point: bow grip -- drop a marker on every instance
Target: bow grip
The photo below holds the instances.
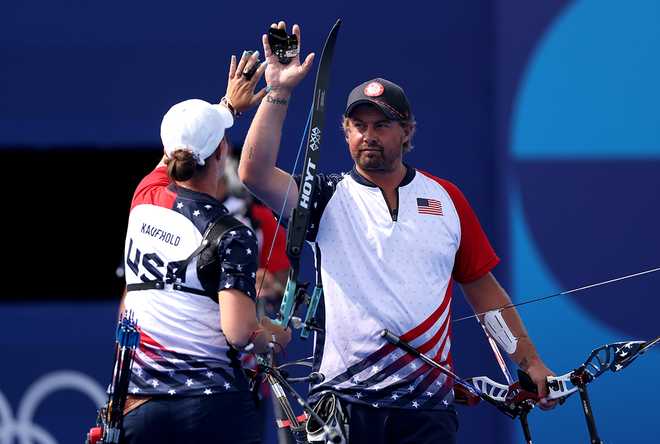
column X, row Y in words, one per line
column 287, row 307
column 311, row 311
column 296, row 233
column 526, row 382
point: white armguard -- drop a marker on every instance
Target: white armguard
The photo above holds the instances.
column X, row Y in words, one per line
column 497, row 328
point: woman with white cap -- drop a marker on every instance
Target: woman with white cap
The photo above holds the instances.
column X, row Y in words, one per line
column 190, row 275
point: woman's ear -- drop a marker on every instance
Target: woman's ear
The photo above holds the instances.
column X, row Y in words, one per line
column 223, row 149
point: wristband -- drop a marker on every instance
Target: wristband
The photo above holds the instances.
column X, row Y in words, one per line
column 250, row 342
column 225, row 101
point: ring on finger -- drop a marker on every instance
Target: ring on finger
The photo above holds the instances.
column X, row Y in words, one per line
column 249, row 72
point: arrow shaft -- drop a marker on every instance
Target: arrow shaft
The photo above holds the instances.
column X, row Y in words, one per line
column 561, row 293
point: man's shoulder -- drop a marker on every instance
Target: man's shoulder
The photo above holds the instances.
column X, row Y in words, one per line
column 448, row 188
column 445, row 183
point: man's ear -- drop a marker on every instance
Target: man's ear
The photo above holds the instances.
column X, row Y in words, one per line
column 407, row 129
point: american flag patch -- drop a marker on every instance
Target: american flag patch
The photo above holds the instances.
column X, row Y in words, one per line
column 429, row 206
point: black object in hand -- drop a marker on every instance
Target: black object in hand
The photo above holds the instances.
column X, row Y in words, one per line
column 283, row 45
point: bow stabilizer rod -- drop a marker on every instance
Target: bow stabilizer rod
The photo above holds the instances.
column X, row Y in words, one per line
column 499, row 395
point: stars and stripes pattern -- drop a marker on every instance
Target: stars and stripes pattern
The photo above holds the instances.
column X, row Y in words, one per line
column 183, row 351
column 439, row 234
column 390, row 377
column 238, row 247
column 158, row 371
column 239, row 261
column 429, row 206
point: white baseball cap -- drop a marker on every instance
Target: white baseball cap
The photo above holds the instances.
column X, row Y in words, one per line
column 196, row 126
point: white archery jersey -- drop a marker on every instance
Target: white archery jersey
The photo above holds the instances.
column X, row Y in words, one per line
column 166, row 313
column 182, row 348
column 384, row 270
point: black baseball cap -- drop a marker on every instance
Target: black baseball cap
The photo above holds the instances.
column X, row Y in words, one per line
column 384, row 95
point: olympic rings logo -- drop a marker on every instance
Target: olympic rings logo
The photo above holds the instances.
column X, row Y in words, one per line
column 22, row 428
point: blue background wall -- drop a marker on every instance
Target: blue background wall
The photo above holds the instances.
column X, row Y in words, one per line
column 543, row 112
column 582, row 141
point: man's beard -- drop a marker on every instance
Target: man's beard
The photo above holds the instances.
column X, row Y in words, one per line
column 373, row 159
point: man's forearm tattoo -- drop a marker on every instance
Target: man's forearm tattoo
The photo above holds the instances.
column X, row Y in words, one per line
column 276, row 100
column 251, row 153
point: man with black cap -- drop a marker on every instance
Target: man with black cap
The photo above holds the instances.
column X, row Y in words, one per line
column 392, row 240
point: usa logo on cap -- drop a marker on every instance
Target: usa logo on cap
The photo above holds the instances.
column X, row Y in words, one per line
column 374, row 89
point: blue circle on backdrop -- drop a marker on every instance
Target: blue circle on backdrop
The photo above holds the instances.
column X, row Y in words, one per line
column 586, row 153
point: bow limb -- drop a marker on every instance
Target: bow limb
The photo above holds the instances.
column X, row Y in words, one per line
column 299, row 221
column 629, row 351
column 614, row 357
column 298, row 225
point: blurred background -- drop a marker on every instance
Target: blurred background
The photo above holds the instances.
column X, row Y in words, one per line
column 544, row 113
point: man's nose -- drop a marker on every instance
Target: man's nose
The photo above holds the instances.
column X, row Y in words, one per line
column 369, row 134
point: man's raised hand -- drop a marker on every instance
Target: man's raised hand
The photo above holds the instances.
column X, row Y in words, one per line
column 285, row 77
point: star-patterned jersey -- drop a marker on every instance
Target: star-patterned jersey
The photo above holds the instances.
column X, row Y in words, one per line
column 261, row 219
column 391, row 269
column 183, row 351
